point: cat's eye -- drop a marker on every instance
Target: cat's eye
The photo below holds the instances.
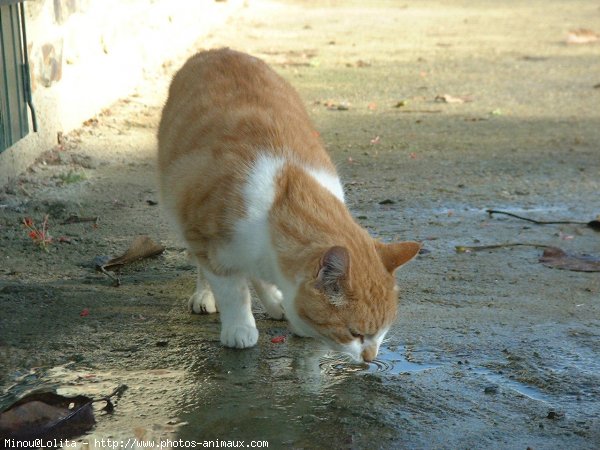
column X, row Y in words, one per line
column 358, row 336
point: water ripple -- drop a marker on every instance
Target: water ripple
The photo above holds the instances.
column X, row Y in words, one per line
column 392, row 362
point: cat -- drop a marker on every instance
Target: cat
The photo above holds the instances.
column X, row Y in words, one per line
column 257, row 199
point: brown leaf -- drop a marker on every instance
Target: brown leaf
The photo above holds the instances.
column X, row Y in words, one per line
column 142, row 247
column 46, row 415
column 557, row 258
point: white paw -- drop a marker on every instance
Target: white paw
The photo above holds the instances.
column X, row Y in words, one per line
column 272, row 300
column 202, row 302
column 239, row 336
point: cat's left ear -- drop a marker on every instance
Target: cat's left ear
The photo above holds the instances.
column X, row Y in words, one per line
column 396, row 254
column 333, row 270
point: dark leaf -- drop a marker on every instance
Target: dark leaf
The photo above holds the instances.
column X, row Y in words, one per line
column 594, row 225
column 47, row 415
column 557, row 258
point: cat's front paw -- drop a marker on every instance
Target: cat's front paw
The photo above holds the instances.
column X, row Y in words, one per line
column 239, row 336
column 202, row 302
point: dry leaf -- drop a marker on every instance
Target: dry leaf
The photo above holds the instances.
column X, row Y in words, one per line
column 46, row 415
column 142, row 247
column 557, row 258
column 582, row 36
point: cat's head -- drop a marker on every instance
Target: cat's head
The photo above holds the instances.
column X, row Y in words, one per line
column 350, row 301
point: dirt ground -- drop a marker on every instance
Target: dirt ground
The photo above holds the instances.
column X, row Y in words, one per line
column 491, row 349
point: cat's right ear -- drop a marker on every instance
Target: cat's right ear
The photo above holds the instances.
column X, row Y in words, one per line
column 333, row 269
column 397, row 254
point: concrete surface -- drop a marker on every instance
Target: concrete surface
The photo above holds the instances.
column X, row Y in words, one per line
column 491, row 349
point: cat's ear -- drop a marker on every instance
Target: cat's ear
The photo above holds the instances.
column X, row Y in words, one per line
column 397, row 254
column 333, row 269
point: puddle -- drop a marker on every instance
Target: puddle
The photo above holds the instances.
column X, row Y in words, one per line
column 514, row 385
column 148, row 408
column 390, row 361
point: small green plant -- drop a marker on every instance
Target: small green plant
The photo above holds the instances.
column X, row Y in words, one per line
column 39, row 236
column 72, row 177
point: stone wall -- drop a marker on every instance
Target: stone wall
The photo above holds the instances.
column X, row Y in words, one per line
column 85, row 54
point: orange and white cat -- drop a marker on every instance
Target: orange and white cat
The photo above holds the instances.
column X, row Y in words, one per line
column 257, row 199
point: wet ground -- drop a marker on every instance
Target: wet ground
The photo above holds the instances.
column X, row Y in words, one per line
column 491, row 349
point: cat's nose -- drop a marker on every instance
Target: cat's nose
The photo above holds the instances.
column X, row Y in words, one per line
column 369, row 354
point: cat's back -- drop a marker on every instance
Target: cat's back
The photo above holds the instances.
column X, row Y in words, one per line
column 229, row 124
column 234, row 105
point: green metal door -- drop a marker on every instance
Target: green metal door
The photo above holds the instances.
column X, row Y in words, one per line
column 13, row 97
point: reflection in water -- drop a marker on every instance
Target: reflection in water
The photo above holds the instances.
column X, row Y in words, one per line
column 390, row 361
column 290, row 395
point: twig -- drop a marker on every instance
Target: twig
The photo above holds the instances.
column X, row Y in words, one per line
column 118, row 392
column 110, row 407
column 116, row 280
column 467, row 249
column 539, row 222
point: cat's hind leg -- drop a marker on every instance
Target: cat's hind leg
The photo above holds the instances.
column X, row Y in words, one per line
column 238, row 328
column 270, row 297
column 202, row 301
